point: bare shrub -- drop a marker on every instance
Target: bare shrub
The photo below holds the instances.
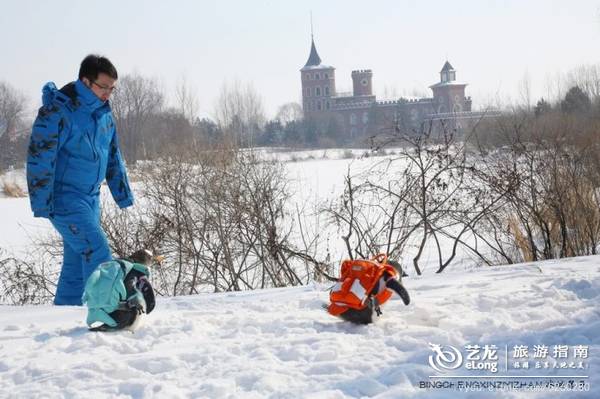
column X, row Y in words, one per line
column 26, row 281
column 437, row 192
column 553, row 209
column 220, row 219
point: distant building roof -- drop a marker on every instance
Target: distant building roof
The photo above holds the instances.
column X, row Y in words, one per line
column 451, row 83
column 313, row 58
column 316, row 67
column 446, row 67
column 314, row 61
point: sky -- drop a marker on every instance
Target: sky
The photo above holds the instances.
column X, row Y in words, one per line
column 494, row 45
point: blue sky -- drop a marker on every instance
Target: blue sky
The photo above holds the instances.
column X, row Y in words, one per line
column 492, row 44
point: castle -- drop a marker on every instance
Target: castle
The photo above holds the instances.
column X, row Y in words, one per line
column 361, row 114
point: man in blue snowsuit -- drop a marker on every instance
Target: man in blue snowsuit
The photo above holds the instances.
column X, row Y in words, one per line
column 73, row 149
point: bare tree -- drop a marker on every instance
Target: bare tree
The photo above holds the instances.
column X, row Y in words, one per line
column 12, row 106
column 587, row 78
column 555, row 86
column 289, row 112
column 525, row 91
column 135, row 101
column 187, row 99
column 239, row 111
column 12, row 141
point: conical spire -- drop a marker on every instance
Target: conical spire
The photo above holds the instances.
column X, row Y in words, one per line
column 313, row 58
column 447, row 67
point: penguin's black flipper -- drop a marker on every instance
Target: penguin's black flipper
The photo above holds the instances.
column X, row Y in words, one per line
column 395, row 285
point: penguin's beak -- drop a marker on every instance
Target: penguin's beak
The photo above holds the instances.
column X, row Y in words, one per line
column 158, row 259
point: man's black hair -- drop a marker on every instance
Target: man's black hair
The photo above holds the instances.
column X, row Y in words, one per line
column 93, row 64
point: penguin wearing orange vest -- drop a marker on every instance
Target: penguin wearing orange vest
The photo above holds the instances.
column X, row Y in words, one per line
column 363, row 287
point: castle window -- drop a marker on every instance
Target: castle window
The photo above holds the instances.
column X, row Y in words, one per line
column 414, row 115
column 319, row 105
column 308, row 92
column 326, row 76
column 317, row 76
column 326, row 90
column 444, row 76
column 365, row 118
column 353, row 119
column 317, row 91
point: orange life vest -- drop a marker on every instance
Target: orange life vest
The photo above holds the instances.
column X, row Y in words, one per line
column 356, row 283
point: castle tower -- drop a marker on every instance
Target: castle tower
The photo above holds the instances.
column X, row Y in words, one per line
column 447, row 74
column 318, row 84
column 362, row 83
column 448, row 94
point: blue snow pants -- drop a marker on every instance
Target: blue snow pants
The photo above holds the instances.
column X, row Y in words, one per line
column 77, row 219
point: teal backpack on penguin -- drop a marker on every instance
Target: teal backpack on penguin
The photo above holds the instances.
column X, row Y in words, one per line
column 118, row 292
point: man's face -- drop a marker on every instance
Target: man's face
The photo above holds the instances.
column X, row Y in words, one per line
column 102, row 87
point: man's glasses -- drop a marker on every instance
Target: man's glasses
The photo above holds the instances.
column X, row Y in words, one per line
column 105, row 89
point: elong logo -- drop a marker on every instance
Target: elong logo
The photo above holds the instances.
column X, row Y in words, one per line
column 445, row 359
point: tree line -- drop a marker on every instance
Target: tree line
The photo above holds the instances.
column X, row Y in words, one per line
column 522, row 186
column 150, row 127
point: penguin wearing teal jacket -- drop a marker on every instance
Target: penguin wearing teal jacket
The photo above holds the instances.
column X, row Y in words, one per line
column 118, row 293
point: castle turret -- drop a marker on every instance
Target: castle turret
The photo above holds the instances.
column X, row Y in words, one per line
column 318, row 84
column 447, row 74
column 448, row 94
column 362, row 82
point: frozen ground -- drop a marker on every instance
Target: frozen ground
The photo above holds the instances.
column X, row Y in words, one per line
column 279, row 343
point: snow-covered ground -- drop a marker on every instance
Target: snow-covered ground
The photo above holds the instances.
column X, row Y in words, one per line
column 279, row 343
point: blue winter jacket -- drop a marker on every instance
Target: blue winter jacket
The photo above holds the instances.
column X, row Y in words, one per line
column 73, row 148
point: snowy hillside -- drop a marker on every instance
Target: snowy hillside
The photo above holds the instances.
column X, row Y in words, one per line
column 279, row 343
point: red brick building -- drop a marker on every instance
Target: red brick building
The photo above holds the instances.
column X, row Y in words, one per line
column 360, row 113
